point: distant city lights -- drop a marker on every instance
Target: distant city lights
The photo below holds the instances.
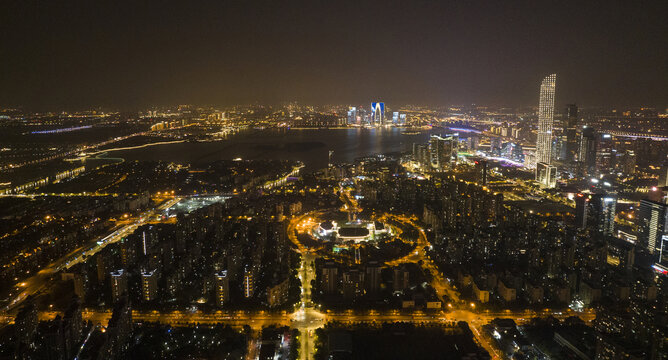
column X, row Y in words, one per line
column 63, row 130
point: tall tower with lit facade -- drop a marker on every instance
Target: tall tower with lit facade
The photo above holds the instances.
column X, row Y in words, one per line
column 571, row 130
column 443, row 151
column 378, row 113
column 545, row 173
column 545, row 120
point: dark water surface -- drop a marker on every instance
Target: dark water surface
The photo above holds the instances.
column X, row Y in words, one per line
column 310, row 146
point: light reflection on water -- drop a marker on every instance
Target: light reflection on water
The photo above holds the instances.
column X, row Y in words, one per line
column 311, row 146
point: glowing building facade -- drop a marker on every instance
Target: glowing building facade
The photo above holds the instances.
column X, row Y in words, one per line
column 378, row 113
column 545, row 173
column 545, row 120
column 443, row 151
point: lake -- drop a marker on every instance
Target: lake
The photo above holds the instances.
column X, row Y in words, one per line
column 311, row 146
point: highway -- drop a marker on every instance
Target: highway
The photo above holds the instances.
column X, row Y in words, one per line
column 315, row 319
column 36, row 283
column 306, row 319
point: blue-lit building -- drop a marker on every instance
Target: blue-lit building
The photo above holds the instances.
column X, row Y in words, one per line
column 377, row 113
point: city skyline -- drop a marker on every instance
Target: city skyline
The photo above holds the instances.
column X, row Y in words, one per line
column 311, row 180
column 300, row 222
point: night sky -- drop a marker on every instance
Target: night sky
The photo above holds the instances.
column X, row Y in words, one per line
column 130, row 54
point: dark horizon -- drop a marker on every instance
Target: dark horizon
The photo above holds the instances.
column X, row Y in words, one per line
column 131, row 56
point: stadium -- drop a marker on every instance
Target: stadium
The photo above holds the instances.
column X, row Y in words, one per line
column 357, row 231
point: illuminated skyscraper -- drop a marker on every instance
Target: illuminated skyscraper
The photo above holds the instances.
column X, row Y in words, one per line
column 443, row 151
column 545, row 120
column 596, row 211
column 653, row 226
column 587, row 153
column 605, row 154
column 352, row 116
column 571, row 129
column 546, row 175
column 481, row 168
column 378, row 113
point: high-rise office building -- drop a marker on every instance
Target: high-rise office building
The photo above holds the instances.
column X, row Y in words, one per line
column 481, row 169
column 587, row 153
column 395, row 118
column 377, row 113
column 605, row 154
column 652, row 225
column 119, row 284
column 443, row 151
column 628, row 162
column 596, row 211
column 546, row 175
column 222, row 288
column 582, row 210
column 571, row 130
column 421, row 154
column 607, row 213
column 561, row 146
column 545, row 120
column 149, row 285
column 352, row 116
